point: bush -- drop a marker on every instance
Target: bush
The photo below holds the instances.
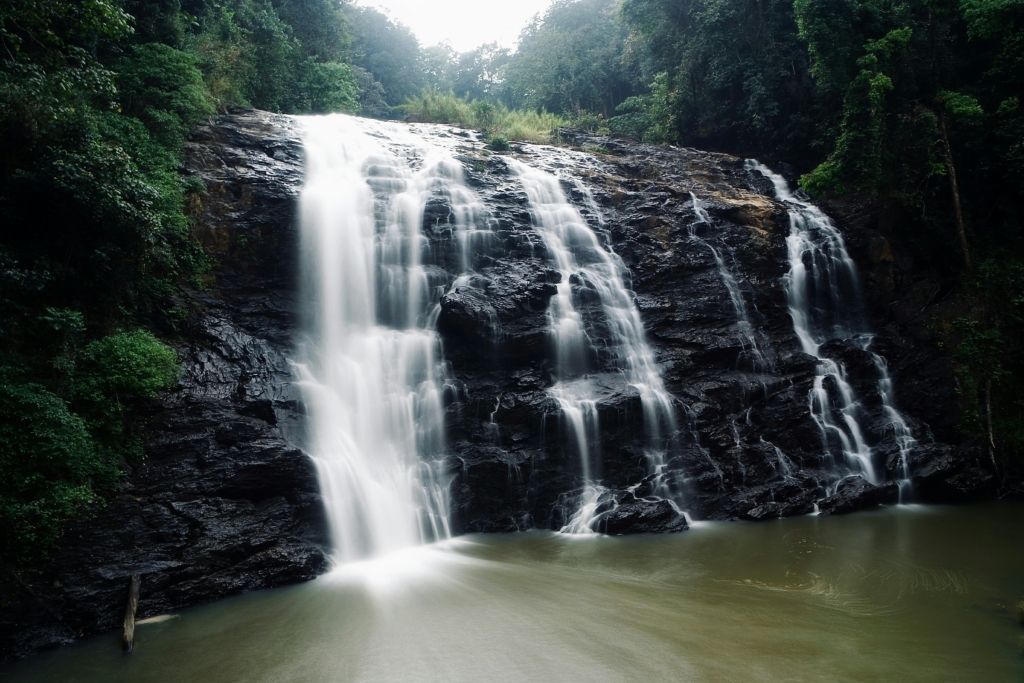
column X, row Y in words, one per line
column 163, row 88
column 125, row 367
column 114, row 375
column 649, row 118
column 497, row 119
column 499, row 144
column 589, row 121
column 51, row 469
column 58, row 460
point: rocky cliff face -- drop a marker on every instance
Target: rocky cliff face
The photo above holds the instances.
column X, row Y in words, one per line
column 748, row 447
column 226, row 501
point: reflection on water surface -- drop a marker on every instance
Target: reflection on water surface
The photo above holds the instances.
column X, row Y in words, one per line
column 907, row 594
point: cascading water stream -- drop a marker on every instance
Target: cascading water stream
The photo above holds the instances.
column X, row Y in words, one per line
column 905, row 440
column 823, row 293
column 583, row 262
column 747, row 335
column 369, row 362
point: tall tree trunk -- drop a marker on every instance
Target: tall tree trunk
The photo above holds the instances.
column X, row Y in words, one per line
column 954, row 186
column 988, row 423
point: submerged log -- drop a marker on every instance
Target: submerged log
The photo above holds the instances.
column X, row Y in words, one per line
column 129, row 614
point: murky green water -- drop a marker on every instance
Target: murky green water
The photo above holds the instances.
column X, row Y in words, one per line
column 909, row 594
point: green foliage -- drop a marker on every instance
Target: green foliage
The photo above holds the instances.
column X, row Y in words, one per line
column 651, row 117
column 113, row 375
column 991, row 18
column 290, row 55
column 109, row 228
column 163, row 88
column 735, row 75
column 47, row 72
column 570, row 60
column 497, row 119
column 387, row 50
column 225, row 55
column 978, row 355
column 960, row 105
column 989, row 355
column 499, row 144
column 828, row 27
column 320, row 27
column 124, row 367
column 477, row 74
column 51, row 469
column 325, row 88
column 589, row 121
column 56, row 462
column 372, row 101
column 859, row 155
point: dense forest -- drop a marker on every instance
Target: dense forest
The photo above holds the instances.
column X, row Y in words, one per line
column 912, row 107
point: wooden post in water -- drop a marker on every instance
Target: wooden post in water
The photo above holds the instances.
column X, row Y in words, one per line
column 129, row 614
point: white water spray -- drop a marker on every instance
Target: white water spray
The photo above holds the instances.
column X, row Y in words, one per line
column 584, row 262
column 747, row 335
column 369, row 365
column 823, row 292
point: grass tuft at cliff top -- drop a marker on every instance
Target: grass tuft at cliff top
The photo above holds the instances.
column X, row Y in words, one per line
column 494, row 119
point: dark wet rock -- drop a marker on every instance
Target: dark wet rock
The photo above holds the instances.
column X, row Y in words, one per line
column 769, row 510
column 642, row 517
column 856, row 493
column 954, row 475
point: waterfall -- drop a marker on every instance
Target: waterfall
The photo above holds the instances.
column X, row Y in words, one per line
column 905, row 440
column 389, row 225
column 825, row 303
column 747, row 335
column 595, row 271
column 369, row 361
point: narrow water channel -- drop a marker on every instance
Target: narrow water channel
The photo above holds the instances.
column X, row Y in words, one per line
column 898, row 594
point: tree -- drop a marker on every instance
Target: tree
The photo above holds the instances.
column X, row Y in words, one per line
column 477, row 74
column 569, row 60
column 735, row 71
column 389, row 51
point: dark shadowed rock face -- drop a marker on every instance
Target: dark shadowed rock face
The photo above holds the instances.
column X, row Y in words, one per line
column 226, row 501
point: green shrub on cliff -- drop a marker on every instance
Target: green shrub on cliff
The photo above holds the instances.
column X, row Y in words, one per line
column 60, row 455
column 124, row 367
column 52, row 470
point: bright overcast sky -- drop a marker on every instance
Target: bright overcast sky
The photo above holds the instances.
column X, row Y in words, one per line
column 463, row 23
